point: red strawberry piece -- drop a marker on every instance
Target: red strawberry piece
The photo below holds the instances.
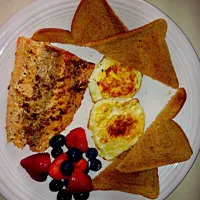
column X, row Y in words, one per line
column 79, row 182
column 77, row 138
column 82, row 164
column 54, row 169
column 37, row 166
column 40, row 177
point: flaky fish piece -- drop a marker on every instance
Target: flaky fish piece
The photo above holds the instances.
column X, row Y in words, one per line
column 46, row 89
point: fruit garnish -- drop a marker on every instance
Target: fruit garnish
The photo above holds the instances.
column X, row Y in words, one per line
column 64, row 195
column 91, row 153
column 39, row 162
column 86, row 171
column 39, row 177
column 66, row 182
column 67, row 168
column 56, row 152
column 77, row 138
column 57, row 141
column 94, row 164
column 79, row 182
column 82, row 164
column 54, row 169
column 37, row 166
column 81, row 196
column 56, row 185
column 74, row 154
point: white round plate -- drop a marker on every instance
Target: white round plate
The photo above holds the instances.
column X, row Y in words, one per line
column 15, row 183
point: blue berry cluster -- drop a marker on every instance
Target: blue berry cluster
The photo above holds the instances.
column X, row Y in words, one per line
column 67, row 167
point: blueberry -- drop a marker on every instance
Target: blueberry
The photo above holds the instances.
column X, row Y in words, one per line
column 64, row 195
column 56, row 152
column 57, row 141
column 74, row 154
column 91, row 153
column 66, row 182
column 81, row 196
column 55, row 185
column 94, row 164
column 66, row 168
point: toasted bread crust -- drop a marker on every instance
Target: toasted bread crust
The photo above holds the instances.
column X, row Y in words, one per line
column 95, row 20
column 144, row 49
column 46, row 89
column 54, row 35
column 174, row 105
column 144, row 183
column 163, row 143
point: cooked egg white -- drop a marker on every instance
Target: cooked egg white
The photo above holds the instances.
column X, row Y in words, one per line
column 116, row 125
column 110, row 79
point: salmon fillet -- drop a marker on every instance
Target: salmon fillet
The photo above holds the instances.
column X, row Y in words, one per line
column 46, row 89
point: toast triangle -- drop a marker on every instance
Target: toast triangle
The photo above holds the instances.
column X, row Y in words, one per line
column 54, row 35
column 163, row 143
column 95, row 20
column 145, row 183
column 145, row 49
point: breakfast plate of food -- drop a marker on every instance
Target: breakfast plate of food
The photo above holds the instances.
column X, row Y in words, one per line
column 99, row 100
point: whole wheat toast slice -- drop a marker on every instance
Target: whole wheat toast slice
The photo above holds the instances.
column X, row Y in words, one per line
column 145, row 183
column 46, row 89
column 145, row 49
column 163, row 143
column 95, row 20
column 54, row 35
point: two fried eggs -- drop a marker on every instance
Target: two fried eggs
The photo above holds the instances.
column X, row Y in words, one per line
column 116, row 120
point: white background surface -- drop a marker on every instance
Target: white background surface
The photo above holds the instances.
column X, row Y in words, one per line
column 186, row 13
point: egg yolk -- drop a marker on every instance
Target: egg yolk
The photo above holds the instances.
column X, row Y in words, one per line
column 122, row 126
column 119, row 81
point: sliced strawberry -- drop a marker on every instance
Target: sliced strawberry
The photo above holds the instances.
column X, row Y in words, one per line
column 37, row 166
column 82, row 164
column 40, row 177
column 77, row 138
column 54, row 169
column 39, row 162
column 79, row 182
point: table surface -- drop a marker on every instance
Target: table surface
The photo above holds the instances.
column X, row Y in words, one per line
column 186, row 14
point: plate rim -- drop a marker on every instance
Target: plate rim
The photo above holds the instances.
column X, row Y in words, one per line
column 23, row 9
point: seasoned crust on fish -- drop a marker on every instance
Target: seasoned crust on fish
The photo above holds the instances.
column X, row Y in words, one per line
column 46, row 89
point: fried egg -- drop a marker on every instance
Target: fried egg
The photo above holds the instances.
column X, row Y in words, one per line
column 110, row 79
column 116, row 125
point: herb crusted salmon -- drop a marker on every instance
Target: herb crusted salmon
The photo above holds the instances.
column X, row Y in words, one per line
column 46, row 89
